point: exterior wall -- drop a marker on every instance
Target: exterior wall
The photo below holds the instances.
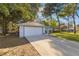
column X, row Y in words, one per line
column 21, row 31
column 43, row 28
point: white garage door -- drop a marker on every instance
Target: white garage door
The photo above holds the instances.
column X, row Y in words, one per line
column 32, row 31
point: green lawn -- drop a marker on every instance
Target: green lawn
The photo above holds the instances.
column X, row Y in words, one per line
column 68, row 36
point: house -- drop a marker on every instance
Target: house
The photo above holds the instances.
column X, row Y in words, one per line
column 32, row 29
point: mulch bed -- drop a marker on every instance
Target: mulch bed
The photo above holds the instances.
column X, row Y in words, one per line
column 12, row 45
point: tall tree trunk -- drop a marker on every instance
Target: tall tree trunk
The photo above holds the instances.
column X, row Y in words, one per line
column 58, row 22
column 53, row 29
column 51, row 17
column 4, row 25
column 75, row 8
column 74, row 24
column 68, row 24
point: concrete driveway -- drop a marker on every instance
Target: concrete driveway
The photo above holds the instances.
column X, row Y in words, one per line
column 52, row 46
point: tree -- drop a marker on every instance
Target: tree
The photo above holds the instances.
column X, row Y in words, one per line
column 53, row 8
column 53, row 24
column 65, row 15
column 4, row 13
column 15, row 12
column 23, row 11
column 45, row 22
column 35, row 9
column 73, row 11
column 69, row 10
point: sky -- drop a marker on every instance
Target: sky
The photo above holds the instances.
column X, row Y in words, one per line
column 40, row 17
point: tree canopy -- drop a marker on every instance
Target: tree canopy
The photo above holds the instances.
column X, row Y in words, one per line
column 62, row 10
column 16, row 12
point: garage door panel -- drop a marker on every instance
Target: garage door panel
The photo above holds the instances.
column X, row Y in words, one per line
column 26, row 30
column 30, row 31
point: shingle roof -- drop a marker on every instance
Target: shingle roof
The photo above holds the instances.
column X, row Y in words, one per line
column 35, row 24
